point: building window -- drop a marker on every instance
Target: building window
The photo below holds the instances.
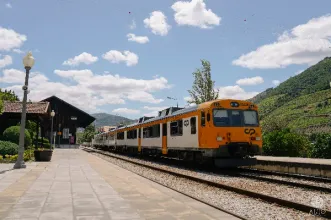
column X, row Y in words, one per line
column 65, row 134
column 176, row 128
column 193, row 125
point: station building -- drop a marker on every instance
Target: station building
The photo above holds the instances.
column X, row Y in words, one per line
column 67, row 120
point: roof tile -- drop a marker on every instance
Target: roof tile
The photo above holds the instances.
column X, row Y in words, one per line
column 32, row 107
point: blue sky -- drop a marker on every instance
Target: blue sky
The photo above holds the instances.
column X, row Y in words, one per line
column 252, row 46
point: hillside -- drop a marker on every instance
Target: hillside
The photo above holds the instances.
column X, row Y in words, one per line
column 104, row 119
column 302, row 102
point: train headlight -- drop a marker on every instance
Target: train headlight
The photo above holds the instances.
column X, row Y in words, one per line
column 255, row 138
column 219, row 139
column 234, row 104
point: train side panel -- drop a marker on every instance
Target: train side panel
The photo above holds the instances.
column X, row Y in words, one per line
column 182, row 133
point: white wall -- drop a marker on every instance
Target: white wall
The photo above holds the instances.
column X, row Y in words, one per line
column 152, row 142
column 187, row 140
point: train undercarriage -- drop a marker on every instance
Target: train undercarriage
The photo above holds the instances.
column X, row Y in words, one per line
column 234, row 155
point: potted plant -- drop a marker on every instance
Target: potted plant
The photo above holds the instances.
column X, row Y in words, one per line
column 43, row 154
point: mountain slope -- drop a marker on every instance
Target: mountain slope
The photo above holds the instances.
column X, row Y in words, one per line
column 104, row 119
column 302, row 102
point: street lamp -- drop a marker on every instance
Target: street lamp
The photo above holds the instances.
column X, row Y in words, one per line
column 28, row 62
column 173, row 99
column 52, row 116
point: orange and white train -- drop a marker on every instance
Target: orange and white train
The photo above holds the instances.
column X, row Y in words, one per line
column 225, row 131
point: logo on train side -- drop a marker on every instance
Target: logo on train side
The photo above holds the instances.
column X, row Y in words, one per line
column 186, row 123
column 249, row 131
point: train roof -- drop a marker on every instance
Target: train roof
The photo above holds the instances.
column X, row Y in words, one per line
column 172, row 111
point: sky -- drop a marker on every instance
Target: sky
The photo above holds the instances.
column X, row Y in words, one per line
column 126, row 57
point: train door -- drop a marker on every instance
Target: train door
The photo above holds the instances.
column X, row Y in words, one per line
column 139, row 140
column 203, row 130
column 164, row 138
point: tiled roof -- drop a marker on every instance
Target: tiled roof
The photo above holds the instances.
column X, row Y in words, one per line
column 32, row 107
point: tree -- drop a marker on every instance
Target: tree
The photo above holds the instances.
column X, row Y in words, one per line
column 89, row 133
column 203, row 86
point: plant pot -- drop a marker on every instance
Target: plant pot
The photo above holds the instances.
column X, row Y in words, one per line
column 43, row 155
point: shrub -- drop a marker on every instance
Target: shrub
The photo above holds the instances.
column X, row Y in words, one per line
column 321, row 147
column 8, row 148
column 12, row 134
column 285, row 143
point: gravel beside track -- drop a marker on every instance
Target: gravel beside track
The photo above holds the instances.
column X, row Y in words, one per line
column 296, row 180
column 242, row 205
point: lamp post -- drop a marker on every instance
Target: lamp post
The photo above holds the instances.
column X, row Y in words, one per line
column 28, row 62
column 173, row 99
column 52, row 116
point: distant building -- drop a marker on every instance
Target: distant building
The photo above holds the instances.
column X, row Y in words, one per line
column 105, row 128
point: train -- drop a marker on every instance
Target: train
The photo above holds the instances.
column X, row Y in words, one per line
column 225, row 132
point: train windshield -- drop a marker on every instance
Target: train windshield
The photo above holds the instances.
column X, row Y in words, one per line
column 235, row 118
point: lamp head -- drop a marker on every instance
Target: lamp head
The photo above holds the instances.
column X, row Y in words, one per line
column 52, row 113
column 28, row 60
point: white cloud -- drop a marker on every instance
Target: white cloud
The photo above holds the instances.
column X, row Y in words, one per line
column 9, row 39
column 276, row 82
column 81, row 58
column 298, row 72
column 157, row 22
column 115, row 56
column 5, row 61
column 235, row 92
column 304, row 44
column 87, row 90
column 133, row 25
column 154, row 110
column 8, row 5
column 194, row 13
column 188, row 98
column 250, row 81
column 138, row 39
column 126, row 111
column 18, row 51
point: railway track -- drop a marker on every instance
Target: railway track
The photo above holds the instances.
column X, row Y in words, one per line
column 267, row 198
column 246, row 173
column 256, row 176
column 295, row 176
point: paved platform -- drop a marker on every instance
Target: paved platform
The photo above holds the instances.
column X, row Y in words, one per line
column 304, row 166
column 78, row 185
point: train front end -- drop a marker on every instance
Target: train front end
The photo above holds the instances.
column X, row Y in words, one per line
column 230, row 129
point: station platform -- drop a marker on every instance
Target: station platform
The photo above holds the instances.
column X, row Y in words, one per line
column 78, row 185
column 296, row 165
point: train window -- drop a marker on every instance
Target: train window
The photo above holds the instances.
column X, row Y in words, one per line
column 176, row 128
column 208, row 116
column 203, row 119
column 250, row 118
column 152, row 131
column 235, row 118
column 193, row 125
column 120, row 136
column 221, row 117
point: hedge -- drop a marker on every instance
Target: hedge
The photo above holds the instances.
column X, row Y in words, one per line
column 12, row 134
column 8, row 148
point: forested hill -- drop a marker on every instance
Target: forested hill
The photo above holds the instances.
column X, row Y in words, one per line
column 302, row 102
column 104, row 119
